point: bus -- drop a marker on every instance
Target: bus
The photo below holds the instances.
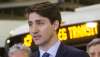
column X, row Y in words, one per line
column 77, row 29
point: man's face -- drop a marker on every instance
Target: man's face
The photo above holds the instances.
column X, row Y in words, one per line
column 18, row 54
column 41, row 29
column 94, row 51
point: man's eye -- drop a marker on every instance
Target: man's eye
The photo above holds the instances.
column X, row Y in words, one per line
column 30, row 24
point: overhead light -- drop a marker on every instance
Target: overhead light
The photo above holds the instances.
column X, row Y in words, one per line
column 91, row 24
column 8, row 41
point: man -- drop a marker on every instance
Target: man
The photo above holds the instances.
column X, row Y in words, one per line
column 18, row 50
column 93, row 48
column 44, row 20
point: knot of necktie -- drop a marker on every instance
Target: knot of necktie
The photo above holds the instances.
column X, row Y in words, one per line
column 45, row 54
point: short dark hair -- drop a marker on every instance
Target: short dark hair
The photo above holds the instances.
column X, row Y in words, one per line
column 46, row 9
column 95, row 41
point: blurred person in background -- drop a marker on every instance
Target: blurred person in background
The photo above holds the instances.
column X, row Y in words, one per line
column 93, row 48
column 19, row 50
column 44, row 19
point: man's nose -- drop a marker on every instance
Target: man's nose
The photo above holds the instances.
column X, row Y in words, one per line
column 35, row 32
column 35, row 29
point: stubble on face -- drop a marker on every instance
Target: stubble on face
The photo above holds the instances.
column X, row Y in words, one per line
column 44, row 29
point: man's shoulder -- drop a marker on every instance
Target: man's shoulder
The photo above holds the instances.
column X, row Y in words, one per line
column 72, row 51
column 69, row 48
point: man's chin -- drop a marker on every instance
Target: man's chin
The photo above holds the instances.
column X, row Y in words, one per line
column 37, row 44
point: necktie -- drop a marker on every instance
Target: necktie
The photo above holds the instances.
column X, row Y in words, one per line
column 45, row 54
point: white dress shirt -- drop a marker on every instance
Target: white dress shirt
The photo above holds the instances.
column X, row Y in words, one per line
column 52, row 51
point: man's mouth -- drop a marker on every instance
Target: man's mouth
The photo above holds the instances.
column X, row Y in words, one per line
column 36, row 37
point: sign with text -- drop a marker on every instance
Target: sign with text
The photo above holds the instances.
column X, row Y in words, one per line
column 78, row 31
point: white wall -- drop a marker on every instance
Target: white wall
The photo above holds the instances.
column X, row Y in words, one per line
column 82, row 14
column 6, row 26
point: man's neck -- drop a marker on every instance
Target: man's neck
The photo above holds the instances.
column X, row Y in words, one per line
column 49, row 44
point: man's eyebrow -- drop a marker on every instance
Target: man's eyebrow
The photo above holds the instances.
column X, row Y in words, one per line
column 39, row 20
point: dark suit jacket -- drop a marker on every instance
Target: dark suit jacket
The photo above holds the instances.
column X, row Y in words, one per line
column 66, row 51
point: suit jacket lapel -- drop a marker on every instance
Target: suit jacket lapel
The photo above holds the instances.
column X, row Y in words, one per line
column 37, row 53
column 60, row 52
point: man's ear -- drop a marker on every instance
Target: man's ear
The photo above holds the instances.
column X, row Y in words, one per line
column 56, row 24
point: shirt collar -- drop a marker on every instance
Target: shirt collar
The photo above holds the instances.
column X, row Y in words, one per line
column 41, row 52
column 52, row 51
